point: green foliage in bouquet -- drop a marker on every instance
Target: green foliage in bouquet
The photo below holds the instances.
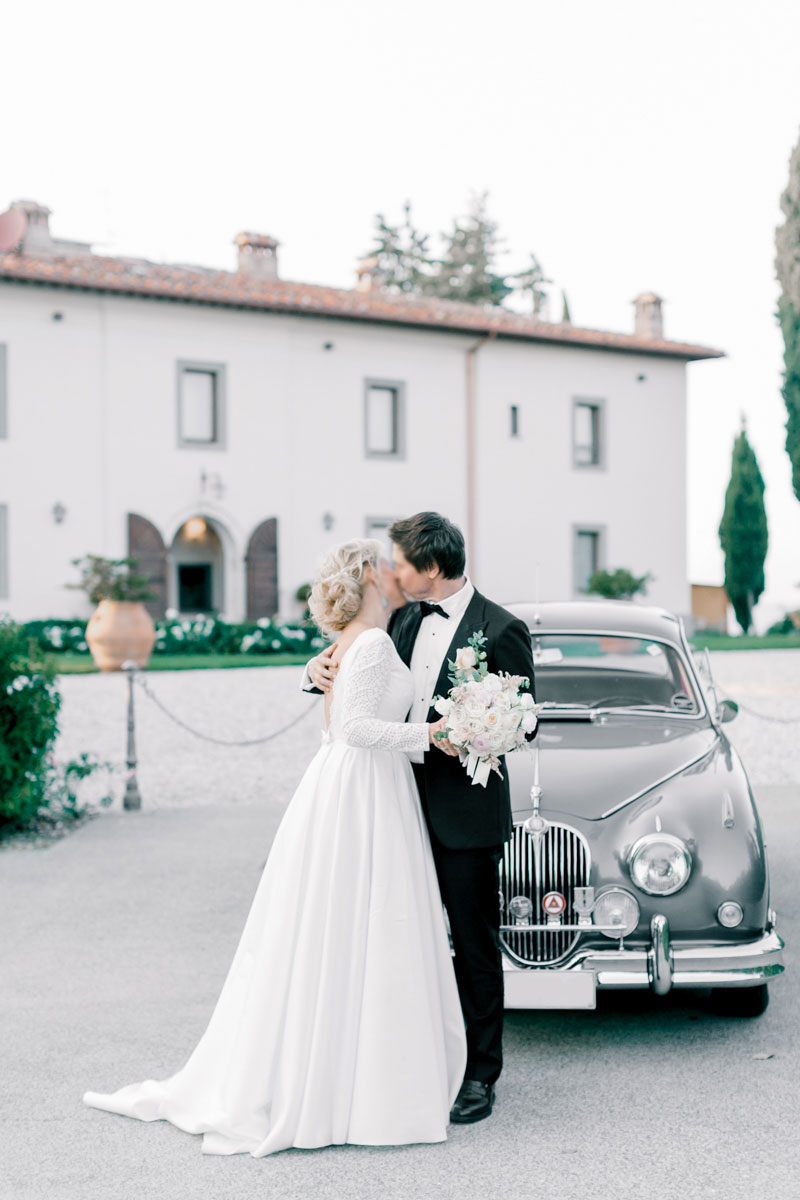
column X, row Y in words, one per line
column 111, row 579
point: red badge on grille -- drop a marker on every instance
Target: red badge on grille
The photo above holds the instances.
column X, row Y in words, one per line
column 554, row 904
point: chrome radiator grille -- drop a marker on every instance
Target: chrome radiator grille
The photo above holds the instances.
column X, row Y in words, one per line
column 556, row 861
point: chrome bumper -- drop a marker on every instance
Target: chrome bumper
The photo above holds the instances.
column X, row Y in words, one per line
column 663, row 966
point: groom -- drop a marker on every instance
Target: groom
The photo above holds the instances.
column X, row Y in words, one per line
column 467, row 824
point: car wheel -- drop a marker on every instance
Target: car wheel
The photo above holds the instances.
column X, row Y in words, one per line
column 740, row 1002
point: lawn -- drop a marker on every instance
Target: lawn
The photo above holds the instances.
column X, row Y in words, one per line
column 763, row 641
column 83, row 664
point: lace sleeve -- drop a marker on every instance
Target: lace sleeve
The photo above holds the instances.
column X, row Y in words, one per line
column 365, row 685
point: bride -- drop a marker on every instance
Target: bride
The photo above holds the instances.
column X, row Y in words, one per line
column 339, row 1020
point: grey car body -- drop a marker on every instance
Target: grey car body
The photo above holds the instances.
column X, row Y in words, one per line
column 631, row 759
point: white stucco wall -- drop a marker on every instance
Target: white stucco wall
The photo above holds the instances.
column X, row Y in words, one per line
column 92, row 424
column 530, row 496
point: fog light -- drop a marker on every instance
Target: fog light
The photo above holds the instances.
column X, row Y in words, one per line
column 730, row 914
column 521, row 908
column 618, row 909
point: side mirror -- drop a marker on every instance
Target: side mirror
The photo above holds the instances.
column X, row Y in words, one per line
column 727, row 710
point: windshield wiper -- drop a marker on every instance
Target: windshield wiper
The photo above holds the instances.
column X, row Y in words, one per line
column 657, row 708
column 578, row 711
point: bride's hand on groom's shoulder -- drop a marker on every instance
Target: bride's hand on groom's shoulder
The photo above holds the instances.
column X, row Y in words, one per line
column 322, row 669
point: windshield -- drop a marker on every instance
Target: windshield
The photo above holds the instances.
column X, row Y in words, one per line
column 596, row 671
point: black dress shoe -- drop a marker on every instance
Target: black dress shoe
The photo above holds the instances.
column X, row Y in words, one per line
column 473, row 1102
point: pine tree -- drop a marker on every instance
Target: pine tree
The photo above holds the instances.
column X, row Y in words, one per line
column 466, row 269
column 401, row 251
column 743, row 532
column 787, row 262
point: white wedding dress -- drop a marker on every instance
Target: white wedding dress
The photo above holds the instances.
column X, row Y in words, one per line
column 339, row 1020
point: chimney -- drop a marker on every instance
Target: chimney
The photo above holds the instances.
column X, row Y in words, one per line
column 368, row 275
column 36, row 240
column 258, row 256
column 649, row 322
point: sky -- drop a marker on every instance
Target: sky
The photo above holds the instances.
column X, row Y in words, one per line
column 632, row 146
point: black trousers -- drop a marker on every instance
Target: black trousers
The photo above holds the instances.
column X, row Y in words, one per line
column 469, row 885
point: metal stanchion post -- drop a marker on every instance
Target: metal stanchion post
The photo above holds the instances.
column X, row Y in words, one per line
column 132, row 799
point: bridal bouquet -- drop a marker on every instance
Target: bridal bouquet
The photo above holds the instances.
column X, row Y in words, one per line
column 488, row 714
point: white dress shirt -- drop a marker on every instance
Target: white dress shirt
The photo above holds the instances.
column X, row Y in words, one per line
column 432, row 643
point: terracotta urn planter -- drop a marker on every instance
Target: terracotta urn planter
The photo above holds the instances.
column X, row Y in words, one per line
column 119, row 630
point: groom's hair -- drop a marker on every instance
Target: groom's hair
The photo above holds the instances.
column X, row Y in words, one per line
column 428, row 539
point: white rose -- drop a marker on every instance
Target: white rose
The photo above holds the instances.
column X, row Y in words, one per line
column 443, row 706
column 492, row 684
column 501, row 702
column 466, row 658
column 526, row 700
column 474, row 710
column 529, row 722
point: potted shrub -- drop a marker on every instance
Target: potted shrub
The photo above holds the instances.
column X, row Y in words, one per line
column 120, row 627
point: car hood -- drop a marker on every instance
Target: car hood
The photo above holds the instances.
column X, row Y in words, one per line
column 590, row 768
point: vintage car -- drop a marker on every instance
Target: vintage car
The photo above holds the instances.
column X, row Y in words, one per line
column 637, row 859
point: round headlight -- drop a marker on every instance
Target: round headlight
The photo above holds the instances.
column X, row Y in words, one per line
column 660, row 864
column 618, row 909
column 730, row 914
column 521, row 908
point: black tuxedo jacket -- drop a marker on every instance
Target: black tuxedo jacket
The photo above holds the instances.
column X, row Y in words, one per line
column 462, row 815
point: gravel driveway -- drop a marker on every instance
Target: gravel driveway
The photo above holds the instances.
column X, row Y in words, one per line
column 177, row 769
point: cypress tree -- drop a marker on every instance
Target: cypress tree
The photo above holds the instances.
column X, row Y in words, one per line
column 787, row 263
column 743, row 532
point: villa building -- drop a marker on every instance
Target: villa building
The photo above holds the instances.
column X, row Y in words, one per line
column 225, row 428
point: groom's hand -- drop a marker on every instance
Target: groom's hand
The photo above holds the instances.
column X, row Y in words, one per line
column 322, row 670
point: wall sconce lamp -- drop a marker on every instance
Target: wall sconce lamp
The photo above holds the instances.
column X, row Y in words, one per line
column 59, row 512
column 328, row 520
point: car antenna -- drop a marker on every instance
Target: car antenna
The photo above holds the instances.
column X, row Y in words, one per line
column 537, row 616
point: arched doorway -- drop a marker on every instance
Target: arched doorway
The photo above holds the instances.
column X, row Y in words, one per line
column 146, row 545
column 197, row 560
column 262, row 571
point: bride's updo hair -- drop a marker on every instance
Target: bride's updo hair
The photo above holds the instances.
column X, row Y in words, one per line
column 338, row 591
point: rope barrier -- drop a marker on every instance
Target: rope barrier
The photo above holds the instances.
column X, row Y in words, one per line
column 762, row 716
column 260, row 741
column 207, row 737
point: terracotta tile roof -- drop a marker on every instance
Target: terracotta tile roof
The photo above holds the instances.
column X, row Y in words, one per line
column 201, row 285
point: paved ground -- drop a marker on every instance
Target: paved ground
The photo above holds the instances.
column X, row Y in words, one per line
column 116, row 940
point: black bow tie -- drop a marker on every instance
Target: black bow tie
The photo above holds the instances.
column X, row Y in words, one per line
column 426, row 609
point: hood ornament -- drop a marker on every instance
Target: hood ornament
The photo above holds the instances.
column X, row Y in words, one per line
column 536, row 825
